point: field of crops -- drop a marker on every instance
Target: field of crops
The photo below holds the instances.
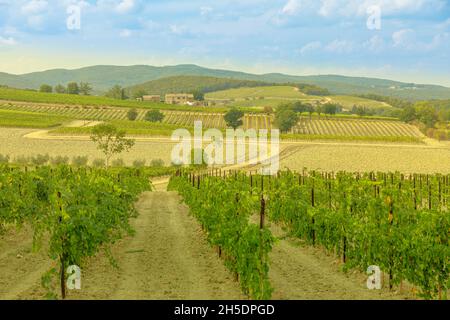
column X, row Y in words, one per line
column 355, row 128
column 395, row 222
column 78, row 211
column 339, row 128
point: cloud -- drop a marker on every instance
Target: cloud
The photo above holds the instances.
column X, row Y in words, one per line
column 312, row 46
column 348, row 8
column 292, row 7
column 176, row 29
column 375, row 44
column 125, row 6
column 10, row 41
column 340, row 46
column 125, row 33
column 204, row 11
column 34, row 7
column 403, row 38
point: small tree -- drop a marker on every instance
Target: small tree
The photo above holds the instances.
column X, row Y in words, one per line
column 233, row 118
column 132, row 114
column 110, row 141
column 60, row 89
column 285, row 119
column 46, row 88
column 139, row 93
column 73, row 88
column 154, row 116
column 116, row 92
column 85, row 88
column 330, row 109
column 198, row 95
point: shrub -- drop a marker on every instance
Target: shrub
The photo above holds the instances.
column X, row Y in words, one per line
column 98, row 163
column 139, row 163
column 132, row 115
column 40, row 159
column 4, row 159
column 22, row 160
column 79, row 161
column 157, row 163
column 59, row 160
column 118, row 163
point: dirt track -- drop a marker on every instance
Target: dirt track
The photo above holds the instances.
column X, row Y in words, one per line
column 169, row 258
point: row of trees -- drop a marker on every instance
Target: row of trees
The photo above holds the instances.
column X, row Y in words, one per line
column 287, row 115
column 82, row 88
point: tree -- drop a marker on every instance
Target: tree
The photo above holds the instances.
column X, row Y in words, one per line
column 46, row 88
column 427, row 115
column 198, row 95
column 330, row 108
column 116, row 92
column 233, row 118
column 285, row 119
column 319, row 109
column 60, row 89
column 154, row 116
column 132, row 114
column 268, row 109
column 138, row 94
column 85, row 88
column 299, row 107
column 73, row 88
column 110, row 141
column 408, row 114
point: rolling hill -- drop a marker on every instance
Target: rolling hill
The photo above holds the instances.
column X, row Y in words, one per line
column 104, row 77
column 191, row 83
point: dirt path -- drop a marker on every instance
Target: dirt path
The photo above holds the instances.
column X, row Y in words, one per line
column 167, row 258
column 299, row 272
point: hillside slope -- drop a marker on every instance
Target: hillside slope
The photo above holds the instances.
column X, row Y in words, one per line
column 191, row 83
column 104, row 77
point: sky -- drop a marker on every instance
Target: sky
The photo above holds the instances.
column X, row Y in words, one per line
column 406, row 40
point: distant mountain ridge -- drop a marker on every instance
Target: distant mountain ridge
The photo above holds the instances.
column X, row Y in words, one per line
column 103, row 77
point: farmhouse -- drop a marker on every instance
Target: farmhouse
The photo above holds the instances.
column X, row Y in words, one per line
column 179, row 98
column 154, row 98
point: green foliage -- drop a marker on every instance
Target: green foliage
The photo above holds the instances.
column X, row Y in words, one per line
column 80, row 161
column 224, row 207
column 85, row 88
column 110, row 141
column 157, row 163
column 46, row 88
column 116, row 92
column 132, row 114
column 198, row 95
column 59, row 160
column 154, row 116
column 139, row 163
column 73, row 88
column 60, row 89
column 395, row 222
column 233, row 118
column 285, row 119
column 77, row 211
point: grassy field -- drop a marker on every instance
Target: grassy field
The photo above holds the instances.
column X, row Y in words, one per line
column 23, row 119
column 130, row 127
column 350, row 101
column 275, row 92
column 261, row 97
column 7, row 94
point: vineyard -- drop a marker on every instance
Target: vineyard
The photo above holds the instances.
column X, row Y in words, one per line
column 76, row 212
column 399, row 223
column 307, row 128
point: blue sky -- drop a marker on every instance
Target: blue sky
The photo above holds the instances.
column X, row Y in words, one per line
column 412, row 42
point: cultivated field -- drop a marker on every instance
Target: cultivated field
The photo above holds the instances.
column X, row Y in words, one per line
column 328, row 128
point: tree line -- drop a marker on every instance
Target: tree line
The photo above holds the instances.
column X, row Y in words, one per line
column 82, row 88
